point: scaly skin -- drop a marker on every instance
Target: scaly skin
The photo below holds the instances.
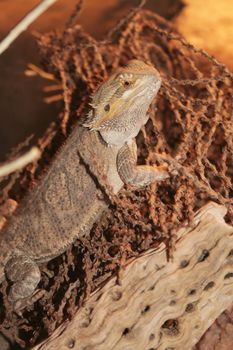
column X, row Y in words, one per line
column 67, row 201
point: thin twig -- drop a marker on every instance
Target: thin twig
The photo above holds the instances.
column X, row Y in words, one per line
column 52, row 88
column 24, row 23
column 52, row 99
column 73, row 18
column 35, row 70
column 20, row 162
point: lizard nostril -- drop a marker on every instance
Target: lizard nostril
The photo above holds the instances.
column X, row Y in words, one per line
column 107, row 108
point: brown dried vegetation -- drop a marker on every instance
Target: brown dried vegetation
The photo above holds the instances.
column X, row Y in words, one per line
column 190, row 127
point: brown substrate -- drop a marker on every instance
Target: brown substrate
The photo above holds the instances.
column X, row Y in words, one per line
column 190, row 126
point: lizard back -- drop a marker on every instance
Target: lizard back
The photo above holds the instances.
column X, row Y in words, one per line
column 65, row 203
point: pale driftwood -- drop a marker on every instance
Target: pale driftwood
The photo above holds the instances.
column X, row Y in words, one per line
column 159, row 304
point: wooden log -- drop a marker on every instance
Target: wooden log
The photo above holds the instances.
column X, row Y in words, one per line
column 159, row 304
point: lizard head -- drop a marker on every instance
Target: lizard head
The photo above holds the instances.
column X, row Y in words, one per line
column 129, row 91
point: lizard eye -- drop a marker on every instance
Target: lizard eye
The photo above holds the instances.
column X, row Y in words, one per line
column 126, row 80
column 126, row 83
column 107, row 108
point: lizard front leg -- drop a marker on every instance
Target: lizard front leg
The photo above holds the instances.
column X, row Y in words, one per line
column 137, row 175
column 25, row 275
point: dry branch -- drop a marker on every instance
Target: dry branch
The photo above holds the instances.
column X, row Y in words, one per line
column 24, row 23
column 19, row 163
column 160, row 304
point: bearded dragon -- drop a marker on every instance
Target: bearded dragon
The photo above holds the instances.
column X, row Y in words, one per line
column 67, row 201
